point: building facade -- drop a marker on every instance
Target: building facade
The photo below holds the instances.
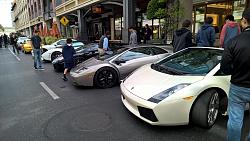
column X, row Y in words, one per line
column 20, row 16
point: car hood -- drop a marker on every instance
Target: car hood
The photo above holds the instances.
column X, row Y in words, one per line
column 146, row 82
column 90, row 62
column 48, row 46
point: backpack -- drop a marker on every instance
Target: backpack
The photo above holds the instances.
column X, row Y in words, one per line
column 230, row 33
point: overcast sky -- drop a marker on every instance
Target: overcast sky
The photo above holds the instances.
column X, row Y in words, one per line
column 5, row 13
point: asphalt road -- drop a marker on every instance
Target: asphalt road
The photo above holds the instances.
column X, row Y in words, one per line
column 29, row 113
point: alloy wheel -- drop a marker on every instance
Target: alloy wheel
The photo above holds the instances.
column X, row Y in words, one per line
column 213, row 108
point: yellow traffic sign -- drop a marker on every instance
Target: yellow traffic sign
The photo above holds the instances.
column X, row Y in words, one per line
column 64, row 21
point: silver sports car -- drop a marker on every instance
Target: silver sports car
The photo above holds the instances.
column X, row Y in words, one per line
column 106, row 71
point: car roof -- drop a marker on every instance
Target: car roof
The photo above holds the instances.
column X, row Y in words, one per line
column 212, row 48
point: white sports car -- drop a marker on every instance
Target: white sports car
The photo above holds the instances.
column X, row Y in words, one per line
column 56, row 44
column 52, row 54
column 186, row 87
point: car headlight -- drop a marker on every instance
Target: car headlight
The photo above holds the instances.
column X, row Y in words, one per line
column 81, row 70
column 162, row 95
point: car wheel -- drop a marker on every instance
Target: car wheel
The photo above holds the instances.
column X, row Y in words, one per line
column 206, row 109
column 54, row 55
column 105, row 78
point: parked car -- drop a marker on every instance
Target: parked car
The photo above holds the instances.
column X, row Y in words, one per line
column 21, row 41
column 56, row 44
column 52, row 54
column 83, row 53
column 186, row 87
column 106, row 71
column 26, row 47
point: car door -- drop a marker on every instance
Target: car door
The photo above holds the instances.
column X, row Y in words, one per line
column 133, row 59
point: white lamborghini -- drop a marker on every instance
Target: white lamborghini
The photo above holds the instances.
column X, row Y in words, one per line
column 186, row 87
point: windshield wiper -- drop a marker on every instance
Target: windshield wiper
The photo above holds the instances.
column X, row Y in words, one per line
column 165, row 70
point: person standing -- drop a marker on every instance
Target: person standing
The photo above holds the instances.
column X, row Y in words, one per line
column 14, row 43
column 182, row 37
column 206, row 35
column 104, row 44
column 1, row 41
column 229, row 30
column 36, row 45
column 133, row 37
column 5, row 40
column 68, row 55
column 147, row 34
column 236, row 62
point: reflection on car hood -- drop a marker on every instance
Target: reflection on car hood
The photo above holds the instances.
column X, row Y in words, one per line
column 90, row 62
column 146, row 82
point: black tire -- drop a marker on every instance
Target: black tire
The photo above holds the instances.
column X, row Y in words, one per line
column 105, row 78
column 206, row 109
column 54, row 55
column 58, row 68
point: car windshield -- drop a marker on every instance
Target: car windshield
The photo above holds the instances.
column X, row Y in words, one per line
column 111, row 54
column 196, row 61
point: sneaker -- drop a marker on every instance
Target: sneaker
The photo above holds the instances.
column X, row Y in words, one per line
column 40, row 68
column 65, row 79
column 35, row 68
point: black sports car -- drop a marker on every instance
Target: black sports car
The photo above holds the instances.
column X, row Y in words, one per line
column 82, row 54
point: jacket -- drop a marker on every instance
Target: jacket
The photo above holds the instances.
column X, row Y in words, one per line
column 68, row 54
column 182, row 39
column 229, row 31
column 236, row 59
column 133, row 39
column 206, row 36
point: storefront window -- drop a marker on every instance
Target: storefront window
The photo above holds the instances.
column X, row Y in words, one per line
column 118, row 28
column 239, row 7
column 199, row 17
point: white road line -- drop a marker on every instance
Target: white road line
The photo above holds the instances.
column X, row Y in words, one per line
column 51, row 93
column 14, row 54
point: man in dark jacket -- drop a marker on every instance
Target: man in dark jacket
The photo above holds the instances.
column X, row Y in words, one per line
column 5, row 40
column 182, row 37
column 68, row 55
column 206, row 35
column 1, row 41
column 236, row 62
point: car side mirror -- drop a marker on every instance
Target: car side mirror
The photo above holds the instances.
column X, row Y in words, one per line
column 119, row 62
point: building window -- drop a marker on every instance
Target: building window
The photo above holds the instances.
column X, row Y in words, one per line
column 58, row 2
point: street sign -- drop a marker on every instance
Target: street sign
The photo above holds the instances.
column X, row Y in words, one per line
column 64, row 21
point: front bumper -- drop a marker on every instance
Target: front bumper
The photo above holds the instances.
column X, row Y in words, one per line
column 27, row 49
column 164, row 113
column 82, row 79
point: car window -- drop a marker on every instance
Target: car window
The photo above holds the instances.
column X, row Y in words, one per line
column 136, row 53
column 192, row 61
column 62, row 42
column 157, row 50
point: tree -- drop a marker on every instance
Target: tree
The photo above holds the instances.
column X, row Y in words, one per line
column 1, row 28
column 170, row 10
column 156, row 9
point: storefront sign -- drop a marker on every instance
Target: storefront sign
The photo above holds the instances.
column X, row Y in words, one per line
column 64, row 21
column 205, row 1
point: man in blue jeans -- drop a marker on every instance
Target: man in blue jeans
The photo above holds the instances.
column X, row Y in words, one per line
column 236, row 62
column 36, row 44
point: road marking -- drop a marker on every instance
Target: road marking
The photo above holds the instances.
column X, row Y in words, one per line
column 14, row 54
column 51, row 93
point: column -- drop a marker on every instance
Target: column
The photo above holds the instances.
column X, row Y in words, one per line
column 129, row 7
column 112, row 24
column 82, row 25
column 188, row 9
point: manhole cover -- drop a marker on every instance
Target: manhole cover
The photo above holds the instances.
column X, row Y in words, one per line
column 91, row 122
column 77, row 123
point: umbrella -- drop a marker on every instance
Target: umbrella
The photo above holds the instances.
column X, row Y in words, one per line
column 55, row 31
column 40, row 30
column 35, row 28
column 45, row 30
